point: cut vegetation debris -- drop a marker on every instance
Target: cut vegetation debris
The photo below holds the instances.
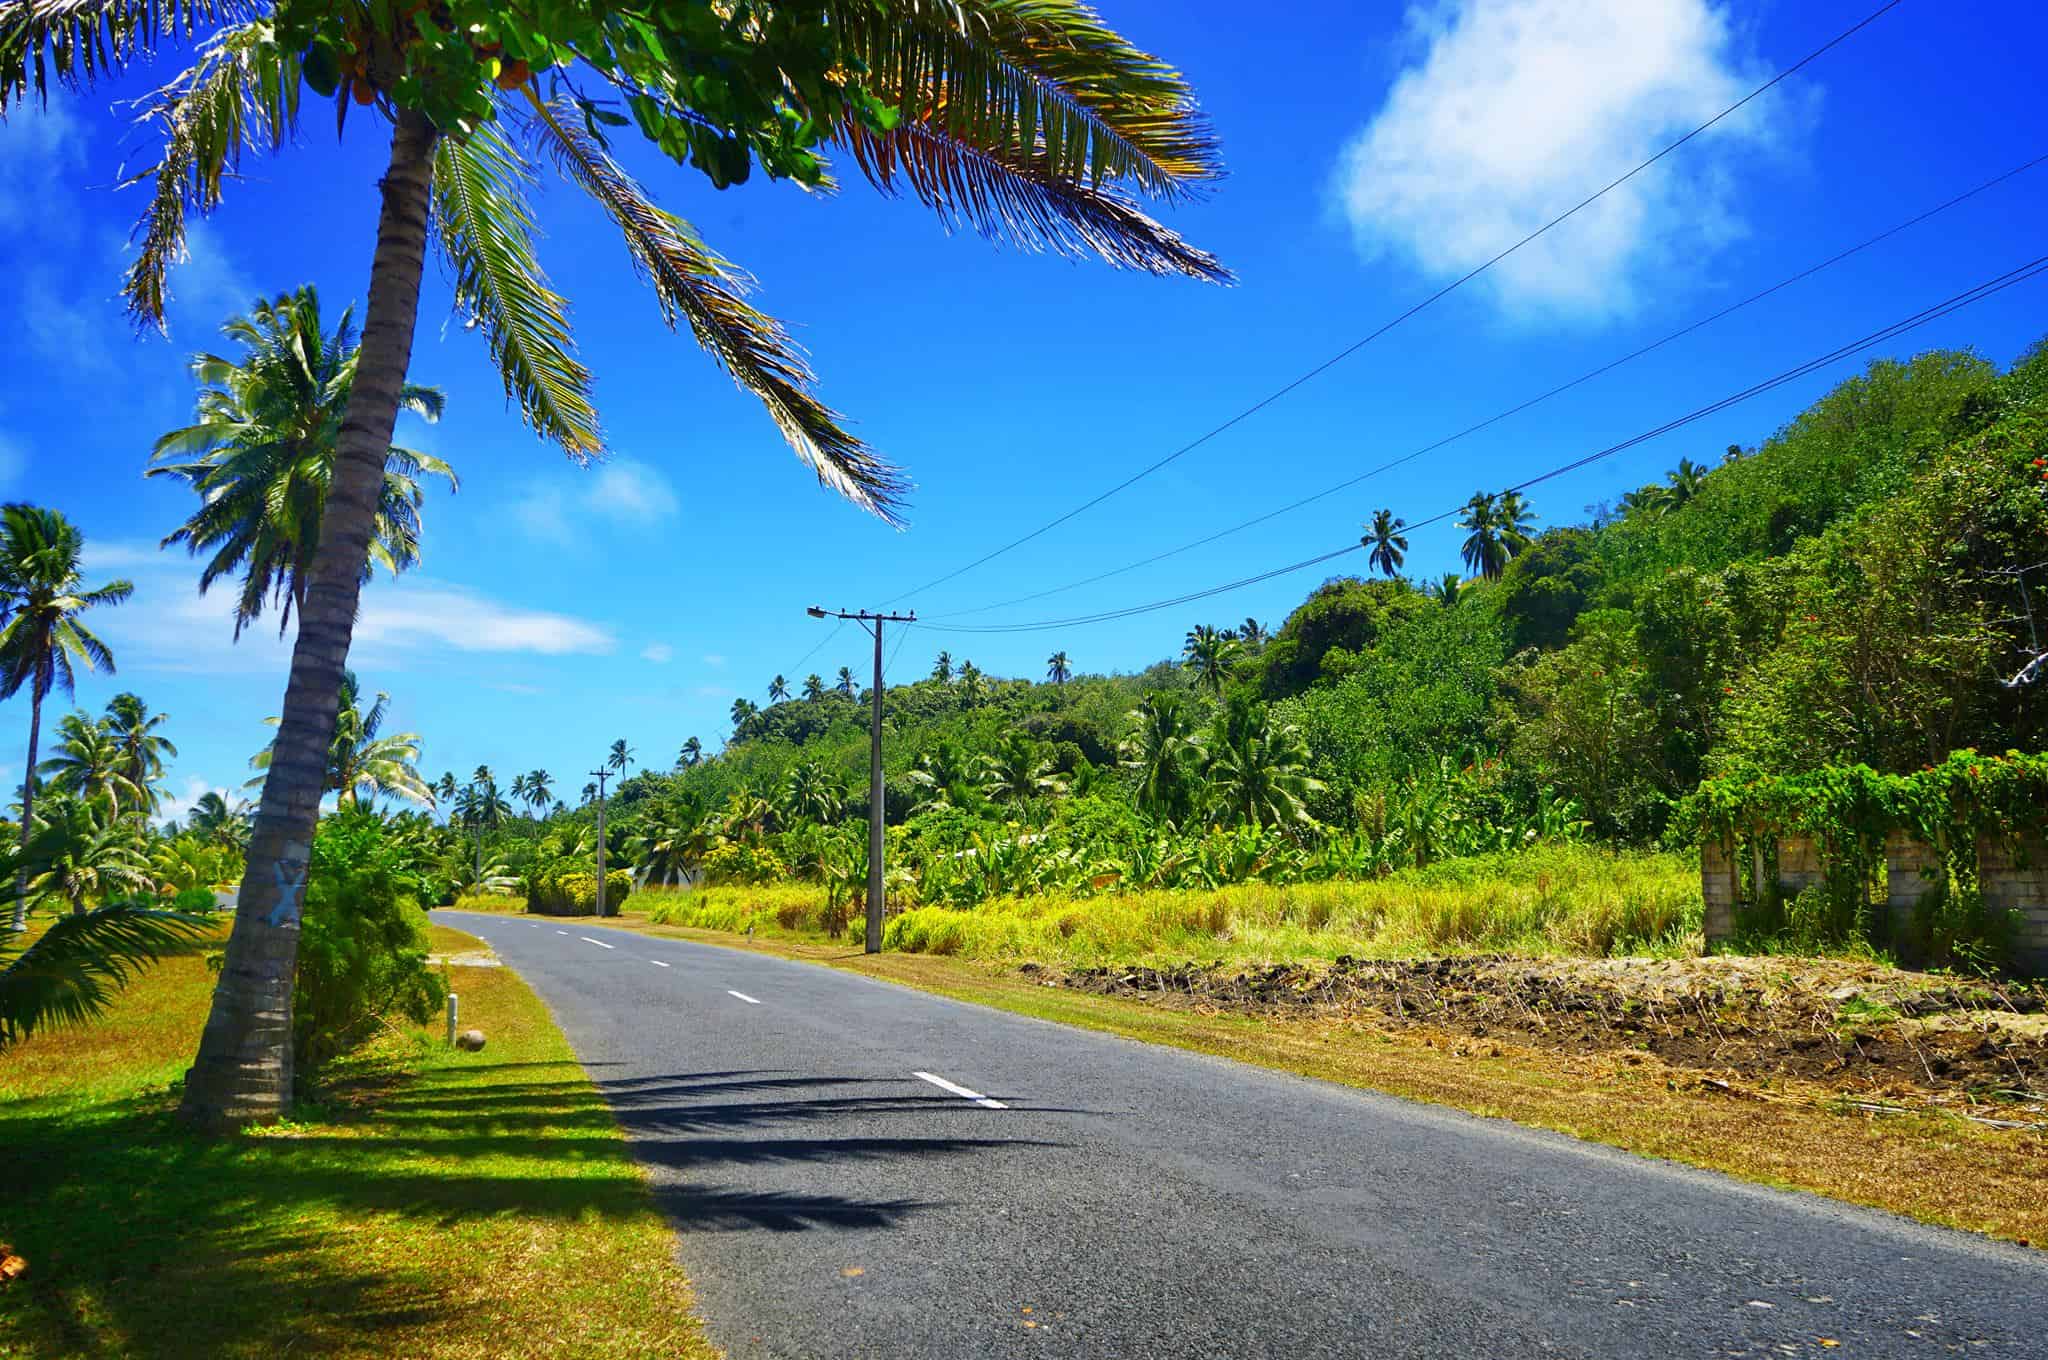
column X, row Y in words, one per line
column 1877, row 1035
column 430, row 1204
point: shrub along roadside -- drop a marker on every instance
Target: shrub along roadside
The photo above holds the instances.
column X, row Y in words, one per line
column 575, row 893
column 427, row 1209
column 1551, row 900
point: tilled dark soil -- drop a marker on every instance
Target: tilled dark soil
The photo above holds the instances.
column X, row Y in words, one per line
column 1861, row 1029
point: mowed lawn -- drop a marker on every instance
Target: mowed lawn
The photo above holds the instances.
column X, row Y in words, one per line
column 432, row 1203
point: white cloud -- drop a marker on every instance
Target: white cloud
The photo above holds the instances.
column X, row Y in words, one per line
column 207, row 287
column 660, row 653
column 509, row 687
column 714, row 659
column 421, row 613
column 1516, row 109
column 169, row 626
column 39, row 149
column 621, row 491
column 178, row 808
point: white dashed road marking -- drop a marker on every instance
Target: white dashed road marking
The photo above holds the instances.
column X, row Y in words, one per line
column 561, row 932
column 742, row 996
column 961, row 1091
column 657, row 963
column 599, row 943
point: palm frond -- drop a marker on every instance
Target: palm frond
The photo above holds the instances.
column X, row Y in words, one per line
column 1026, row 200
column 71, row 974
column 243, row 92
column 710, row 293
column 486, row 233
column 1025, row 78
column 71, row 42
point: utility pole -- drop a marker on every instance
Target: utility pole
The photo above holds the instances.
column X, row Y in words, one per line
column 877, row 804
column 601, row 775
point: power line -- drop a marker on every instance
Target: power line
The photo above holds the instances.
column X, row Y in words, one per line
column 1433, row 298
column 1515, row 410
column 1990, row 287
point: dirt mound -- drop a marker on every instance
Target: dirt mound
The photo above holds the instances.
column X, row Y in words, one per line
column 1863, row 1030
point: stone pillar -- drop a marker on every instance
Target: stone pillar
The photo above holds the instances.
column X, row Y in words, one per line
column 2014, row 878
column 1912, row 869
column 1799, row 864
column 1717, row 889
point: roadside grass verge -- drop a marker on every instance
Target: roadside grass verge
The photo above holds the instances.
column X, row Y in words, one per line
column 1562, row 899
column 1934, row 1167
column 432, row 1203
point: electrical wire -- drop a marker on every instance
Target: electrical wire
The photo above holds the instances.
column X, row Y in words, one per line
column 1429, row 301
column 1989, row 288
column 1515, row 410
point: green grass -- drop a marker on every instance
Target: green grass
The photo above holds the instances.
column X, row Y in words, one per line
column 432, row 1204
column 1552, row 900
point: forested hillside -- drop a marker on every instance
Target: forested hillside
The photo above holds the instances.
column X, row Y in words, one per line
column 1857, row 587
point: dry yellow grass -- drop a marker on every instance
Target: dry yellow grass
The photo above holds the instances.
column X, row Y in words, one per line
column 436, row 1204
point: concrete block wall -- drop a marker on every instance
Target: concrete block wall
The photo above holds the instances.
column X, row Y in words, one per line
column 2015, row 878
column 1911, row 867
column 1717, row 887
column 1799, row 864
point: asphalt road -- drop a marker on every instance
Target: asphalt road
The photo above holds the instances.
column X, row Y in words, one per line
column 1111, row 1198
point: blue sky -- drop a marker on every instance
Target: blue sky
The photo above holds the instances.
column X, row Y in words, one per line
column 1373, row 156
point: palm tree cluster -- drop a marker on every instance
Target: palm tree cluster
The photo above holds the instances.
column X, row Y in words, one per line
column 1245, row 769
column 1496, row 531
column 1015, row 773
column 1675, row 492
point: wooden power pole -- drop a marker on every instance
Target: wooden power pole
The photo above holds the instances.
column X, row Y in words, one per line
column 877, row 803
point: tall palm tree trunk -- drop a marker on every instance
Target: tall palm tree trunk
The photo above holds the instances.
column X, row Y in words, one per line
column 28, row 804
column 244, row 1067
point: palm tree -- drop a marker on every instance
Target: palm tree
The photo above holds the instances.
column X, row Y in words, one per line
column 691, row 754
column 79, row 853
column 444, row 787
column 1208, row 652
column 1257, row 770
column 1647, row 502
column 814, row 687
column 812, row 794
column 942, row 668
column 218, row 822
column 518, row 788
column 1447, row 589
column 1685, row 482
column 1026, row 122
column 1388, row 544
column 973, row 684
column 590, row 793
column 262, row 454
column 1056, row 668
column 846, row 681
column 619, row 757
column 947, row 776
column 742, row 709
column 70, row 974
column 1512, row 520
column 41, row 596
column 1019, row 770
column 1162, row 752
column 1252, row 633
column 361, row 759
column 1484, row 551
column 778, row 690
column 89, row 763
column 540, row 789
column 133, row 726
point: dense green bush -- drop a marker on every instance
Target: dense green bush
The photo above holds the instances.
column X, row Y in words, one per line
column 362, row 942
column 575, row 893
column 196, row 901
